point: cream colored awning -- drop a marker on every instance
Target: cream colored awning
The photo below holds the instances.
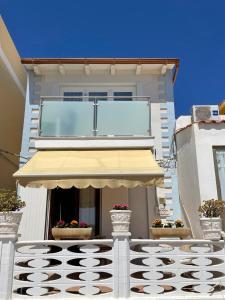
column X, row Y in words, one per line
column 96, row 168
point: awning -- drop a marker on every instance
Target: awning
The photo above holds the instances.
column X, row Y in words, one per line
column 96, row 168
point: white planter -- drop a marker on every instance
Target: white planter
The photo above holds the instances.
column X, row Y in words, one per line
column 120, row 220
column 211, row 228
column 9, row 222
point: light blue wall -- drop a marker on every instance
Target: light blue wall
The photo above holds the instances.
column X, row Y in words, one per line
column 170, row 126
column 31, row 107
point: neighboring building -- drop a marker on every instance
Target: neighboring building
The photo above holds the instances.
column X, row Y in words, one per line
column 12, row 98
column 200, row 142
column 95, row 104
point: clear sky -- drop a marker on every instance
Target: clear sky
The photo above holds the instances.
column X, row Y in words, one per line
column 191, row 30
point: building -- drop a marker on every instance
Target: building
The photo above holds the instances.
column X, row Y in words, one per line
column 94, row 133
column 101, row 104
column 12, row 98
column 200, row 142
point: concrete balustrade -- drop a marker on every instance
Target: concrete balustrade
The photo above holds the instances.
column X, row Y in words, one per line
column 117, row 268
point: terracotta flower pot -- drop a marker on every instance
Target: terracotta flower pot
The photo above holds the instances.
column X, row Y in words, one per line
column 180, row 232
column 71, row 233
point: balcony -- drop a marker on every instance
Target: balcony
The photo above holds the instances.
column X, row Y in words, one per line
column 94, row 117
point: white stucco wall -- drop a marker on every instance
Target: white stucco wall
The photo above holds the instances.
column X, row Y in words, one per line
column 196, row 167
column 188, row 181
column 53, row 83
column 109, row 197
column 138, row 203
column 208, row 136
column 32, row 225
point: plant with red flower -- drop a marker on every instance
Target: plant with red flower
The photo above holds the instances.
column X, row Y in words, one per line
column 60, row 224
column 120, row 207
column 72, row 224
column 83, row 224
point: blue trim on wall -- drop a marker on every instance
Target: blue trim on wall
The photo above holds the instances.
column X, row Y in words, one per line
column 26, row 125
column 165, row 125
column 170, row 124
column 165, row 134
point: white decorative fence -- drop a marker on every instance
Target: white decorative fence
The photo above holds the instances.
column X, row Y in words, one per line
column 171, row 269
column 63, row 269
column 177, row 268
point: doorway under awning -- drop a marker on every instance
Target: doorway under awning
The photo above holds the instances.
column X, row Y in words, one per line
column 96, row 168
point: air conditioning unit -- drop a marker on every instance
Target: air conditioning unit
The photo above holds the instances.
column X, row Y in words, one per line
column 205, row 112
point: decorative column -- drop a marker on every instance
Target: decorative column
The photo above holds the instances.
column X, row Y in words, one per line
column 121, row 247
column 9, row 223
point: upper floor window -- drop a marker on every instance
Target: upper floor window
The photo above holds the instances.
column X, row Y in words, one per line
column 90, row 93
column 97, row 96
column 123, row 96
column 77, row 96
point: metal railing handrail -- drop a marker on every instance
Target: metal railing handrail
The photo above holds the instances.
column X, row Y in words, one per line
column 95, row 102
column 94, row 97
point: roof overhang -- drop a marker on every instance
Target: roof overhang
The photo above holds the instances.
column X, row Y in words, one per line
column 147, row 65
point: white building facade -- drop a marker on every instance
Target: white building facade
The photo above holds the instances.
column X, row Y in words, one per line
column 201, row 164
column 119, row 104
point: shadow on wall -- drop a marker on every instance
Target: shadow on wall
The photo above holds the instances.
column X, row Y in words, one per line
column 8, row 165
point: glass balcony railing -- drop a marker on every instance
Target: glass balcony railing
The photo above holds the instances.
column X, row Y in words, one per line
column 94, row 117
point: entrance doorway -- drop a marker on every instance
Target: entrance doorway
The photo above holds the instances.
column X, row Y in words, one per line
column 74, row 204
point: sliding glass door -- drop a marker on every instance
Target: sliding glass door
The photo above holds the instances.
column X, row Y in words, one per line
column 73, row 204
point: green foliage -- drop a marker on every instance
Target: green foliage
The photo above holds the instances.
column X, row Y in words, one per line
column 9, row 201
column 157, row 223
column 212, row 208
column 168, row 225
column 178, row 223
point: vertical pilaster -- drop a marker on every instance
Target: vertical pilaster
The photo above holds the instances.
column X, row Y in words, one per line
column 7, row 252
column 121, row 264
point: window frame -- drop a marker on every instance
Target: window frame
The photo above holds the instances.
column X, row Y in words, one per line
column 216, row 169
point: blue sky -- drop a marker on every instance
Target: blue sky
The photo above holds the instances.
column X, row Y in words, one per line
column 192, row 30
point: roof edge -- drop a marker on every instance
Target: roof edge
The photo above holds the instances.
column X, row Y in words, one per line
column 118, row 60
column 100, row 60
column 209, row 122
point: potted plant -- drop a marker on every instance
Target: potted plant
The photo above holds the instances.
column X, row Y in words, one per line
column 178, row 223
column 210, row 221
column 120, row 217
column 169, row 229
column 168, row 225
column 72, row 230
column 10, row 214
column 157, row 223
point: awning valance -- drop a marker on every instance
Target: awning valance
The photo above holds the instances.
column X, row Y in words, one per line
column 96, row 168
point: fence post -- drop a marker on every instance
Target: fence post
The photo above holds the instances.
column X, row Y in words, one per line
column 7, row 253
column 121, row 264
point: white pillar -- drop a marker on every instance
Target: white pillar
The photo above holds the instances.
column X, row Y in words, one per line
column 121, row 264
column 7, row 253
